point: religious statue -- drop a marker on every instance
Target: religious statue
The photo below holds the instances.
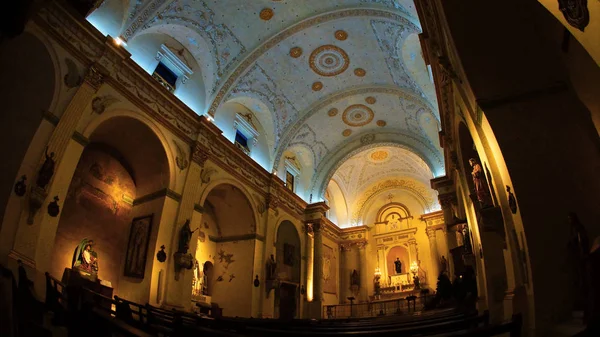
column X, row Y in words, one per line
column 444, row 265
column 185, row 235
column 354, row 278
column 377, row 285
column 398, row 265
column 271, row 268
column 46, row 171
column 85, row 259
column 478, row 180
column 417, row 282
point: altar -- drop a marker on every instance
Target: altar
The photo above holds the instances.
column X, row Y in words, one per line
column 400, row 279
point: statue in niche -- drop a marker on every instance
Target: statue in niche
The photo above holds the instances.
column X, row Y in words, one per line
column 354, row 278
column 479, row 181
column 46, row 171
column 444, row 265
column 271, row 268
column 398, row 265
column 85, row 259
column 182, row 258
column 185, row 235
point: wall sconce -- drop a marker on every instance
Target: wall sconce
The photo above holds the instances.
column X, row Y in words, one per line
column 161, row 256
column 53, row 208
column 256, row 282
column 21, row 187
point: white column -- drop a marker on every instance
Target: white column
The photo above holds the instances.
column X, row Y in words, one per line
column 435, row 258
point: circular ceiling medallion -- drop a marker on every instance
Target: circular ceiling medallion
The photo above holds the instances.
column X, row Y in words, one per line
column 381, row 123
column 360, row 72
column 266, row 14
column 332, row 112
column 341, row 35
column 295, row 52
column 317, row 86
column 379, row 155
column 346, row 132
column 329, row 60
column 358, row 115
column 370, row 100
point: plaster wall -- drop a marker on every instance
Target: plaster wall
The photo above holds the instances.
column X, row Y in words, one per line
column 233, row 283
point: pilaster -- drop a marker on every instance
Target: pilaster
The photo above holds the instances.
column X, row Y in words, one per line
column 178, row 285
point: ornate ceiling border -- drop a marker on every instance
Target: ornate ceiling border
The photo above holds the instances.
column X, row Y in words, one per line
column 307, row 23
column 319, row 186
column 291, row 131
column 374, row 190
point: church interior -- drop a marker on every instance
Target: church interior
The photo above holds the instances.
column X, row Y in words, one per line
column 245, row 168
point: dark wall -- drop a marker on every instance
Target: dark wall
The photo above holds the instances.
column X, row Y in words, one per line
column 26, row 89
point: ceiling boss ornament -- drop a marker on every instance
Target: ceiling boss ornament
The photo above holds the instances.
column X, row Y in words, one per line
column 328, row 60
column 381, row 123
column 370, row 100
column 296, row 52
column 332, row 112
column 317, row 86
column 341, row 35
column 360, row 72
column 346, row 132
column 266, row 14
column 575, row 12
column 358, row 115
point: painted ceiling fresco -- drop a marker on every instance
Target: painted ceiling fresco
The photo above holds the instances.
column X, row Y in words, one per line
column 336, row 77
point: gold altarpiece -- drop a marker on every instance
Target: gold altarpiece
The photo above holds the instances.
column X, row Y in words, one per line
column 395, row 229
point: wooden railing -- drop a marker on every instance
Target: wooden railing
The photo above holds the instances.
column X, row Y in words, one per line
column 373, row 309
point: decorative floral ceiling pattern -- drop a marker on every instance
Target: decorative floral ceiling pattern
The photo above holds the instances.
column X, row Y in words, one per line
column 334, row 77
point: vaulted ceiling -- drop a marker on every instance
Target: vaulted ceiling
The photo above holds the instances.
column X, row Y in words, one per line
column 331, row 77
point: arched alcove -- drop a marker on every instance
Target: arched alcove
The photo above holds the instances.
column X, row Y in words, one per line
column 22, row 79
column 398, row 252
column 227, row 239
column 107, row 202
column 287, row 297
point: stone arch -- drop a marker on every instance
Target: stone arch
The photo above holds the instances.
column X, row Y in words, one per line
column 38, row 77
column 260, row 109
column 196, row 42
column 401, row 184
column 119, row 184
column 151, row 124
column 228, row 207
column 323, row 175
column 288, row 248
column 246, row 193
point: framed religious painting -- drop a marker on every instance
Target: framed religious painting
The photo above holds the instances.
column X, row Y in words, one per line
column 288, row 254
column 137, row 246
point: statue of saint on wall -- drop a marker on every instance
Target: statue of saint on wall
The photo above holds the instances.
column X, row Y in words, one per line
column 46, row 171
column 479, row 181
column 398, row 266
column 354, row 278
column 85, row 259
column 271, row 268
column 444, row 265
column 185, row 235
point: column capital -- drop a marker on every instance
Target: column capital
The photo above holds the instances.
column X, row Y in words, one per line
column 447, row 199
column 412, row 242
column 345, row 247
column 431, row 233
column 94, row 78
column 199, row 153
column 361, row 244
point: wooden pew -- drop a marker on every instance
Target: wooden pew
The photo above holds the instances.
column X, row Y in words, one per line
column 402, row 329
